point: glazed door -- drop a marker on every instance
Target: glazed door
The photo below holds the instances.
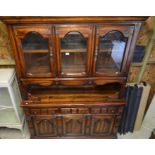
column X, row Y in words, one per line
column 74, row 49
column 35, row 49
column 112, row 49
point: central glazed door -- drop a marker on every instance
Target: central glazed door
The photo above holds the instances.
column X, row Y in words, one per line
column 74, row 50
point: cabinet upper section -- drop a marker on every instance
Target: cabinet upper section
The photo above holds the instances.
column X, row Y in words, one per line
column 73, row 50
column 73, row 47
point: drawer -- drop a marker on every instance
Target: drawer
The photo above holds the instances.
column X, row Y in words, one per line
column 74, row 110
column 52, row 111
column 112, row 110
column 65, row 110
column 95, row 110
column 35, row 111
column 81, row 110
column 44, row 111
column 105, row 110
column 27, row 111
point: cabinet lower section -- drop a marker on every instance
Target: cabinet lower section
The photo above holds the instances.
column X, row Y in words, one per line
column 99, row 122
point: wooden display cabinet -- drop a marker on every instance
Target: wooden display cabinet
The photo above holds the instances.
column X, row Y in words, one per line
column 73, row 71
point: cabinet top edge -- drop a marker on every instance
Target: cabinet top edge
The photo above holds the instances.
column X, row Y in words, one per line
column 71, row 19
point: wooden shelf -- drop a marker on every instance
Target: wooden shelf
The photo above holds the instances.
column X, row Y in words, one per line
column 35, row 70
column 36, row 51
column 106, row 50
column 84, row 50
column 73, row 50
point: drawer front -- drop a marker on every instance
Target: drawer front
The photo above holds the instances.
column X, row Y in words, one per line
column 81, row 110
column 44, row 111
column 75, row 110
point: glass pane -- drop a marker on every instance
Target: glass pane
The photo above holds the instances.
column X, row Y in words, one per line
column 73, row 53
column 110, row 52
column 8, row 116
column 17, row 98
column 36, row 54
column 5, row 99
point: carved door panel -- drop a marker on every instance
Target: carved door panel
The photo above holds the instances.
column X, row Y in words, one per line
column 101, row 125
column 73, row 125
column 45, row 126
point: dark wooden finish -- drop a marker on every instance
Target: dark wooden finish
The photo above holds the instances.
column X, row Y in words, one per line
column 73, row 125
column 85, row 104
column 100, row 121
column 86, row 31
column 127, row 32
column 45, row 125
column 72, row 19
column 45, row 32
column 101, row 125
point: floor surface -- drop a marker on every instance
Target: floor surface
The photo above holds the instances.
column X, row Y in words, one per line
column 8, row 133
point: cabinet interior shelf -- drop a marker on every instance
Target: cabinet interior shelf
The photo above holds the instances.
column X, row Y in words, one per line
column 72, row 50
column 4, row 108
column 36, row 51
column 39, row 70
column 64, row 51
column 84, row 50
column 106, row 50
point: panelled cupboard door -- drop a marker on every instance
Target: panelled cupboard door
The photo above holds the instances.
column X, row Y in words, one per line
column 74, row 50
column 73, row 125
column 102, row 125
column 112, row 49
column 45, row 126
column 35, row 50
